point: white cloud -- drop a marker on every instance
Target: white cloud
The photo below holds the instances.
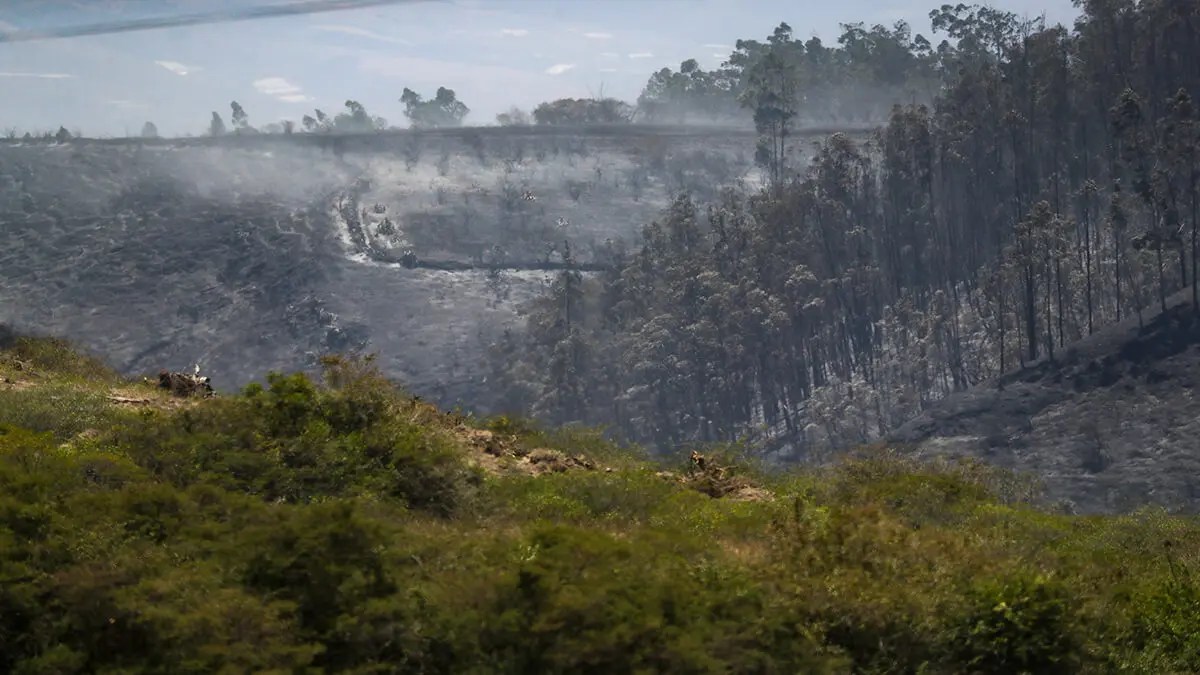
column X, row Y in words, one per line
column 609, row 55
column 641, row 55
column 607, row 70
column 717, row 46
column 598, row 36
column 361, row 32
column 275, row 86
column 281, row 89
column 559, row 68
column 177, row 67
column 514, row 32
column 40, row 76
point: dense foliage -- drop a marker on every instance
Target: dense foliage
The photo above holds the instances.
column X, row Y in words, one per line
column 583, row 111
column 339, row 528
column 1050, row 189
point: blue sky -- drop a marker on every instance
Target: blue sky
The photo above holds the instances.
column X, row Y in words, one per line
column 494, row 53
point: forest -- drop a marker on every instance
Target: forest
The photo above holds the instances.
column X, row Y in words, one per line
column 1048, row 187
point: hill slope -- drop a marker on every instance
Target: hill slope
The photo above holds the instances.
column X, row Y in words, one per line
column 348, row 527
column 259, row 253
column 1111, row 424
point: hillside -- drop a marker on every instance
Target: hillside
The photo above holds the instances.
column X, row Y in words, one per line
column 254, row 253
column 1110, row 424
column 349, row 527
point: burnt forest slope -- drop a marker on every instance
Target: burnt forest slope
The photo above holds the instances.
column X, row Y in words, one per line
column 1110, row 424
column 250, row 254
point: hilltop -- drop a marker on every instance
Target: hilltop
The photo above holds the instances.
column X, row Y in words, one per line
column 1110, row 423
column 347, row 526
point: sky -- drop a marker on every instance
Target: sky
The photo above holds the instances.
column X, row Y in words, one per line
column 494, row 53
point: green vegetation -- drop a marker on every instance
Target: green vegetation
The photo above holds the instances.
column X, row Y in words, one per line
column 347, row 527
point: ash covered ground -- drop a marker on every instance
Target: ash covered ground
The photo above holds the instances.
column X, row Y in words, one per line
column 262, row 254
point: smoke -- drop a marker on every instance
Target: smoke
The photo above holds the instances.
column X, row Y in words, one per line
column 197, row 18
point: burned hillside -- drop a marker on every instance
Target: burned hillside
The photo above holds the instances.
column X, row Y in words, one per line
column 1109, row 424
column 255, row 254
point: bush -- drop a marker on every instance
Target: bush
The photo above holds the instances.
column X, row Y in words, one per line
column 1022, row 624
column 295, row 442
column 582, row 496
column 583, row 602
column 336, row 528
column 1167, row 624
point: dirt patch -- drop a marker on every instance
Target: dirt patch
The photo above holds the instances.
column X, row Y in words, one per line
column 545, row 460
column 499, row 454
column 147, row 395
column 717, row 481
column 10, row 384
column 750, row 493
column 486, row 449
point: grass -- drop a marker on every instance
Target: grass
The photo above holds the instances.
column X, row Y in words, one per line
column 343, row 527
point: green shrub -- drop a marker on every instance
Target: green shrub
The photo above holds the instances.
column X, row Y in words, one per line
column 1023, row 624
column 583, row 602
column 923, row 491
column 296, row 442
column 625, row 497
column 300, row 527
column 1166, row 624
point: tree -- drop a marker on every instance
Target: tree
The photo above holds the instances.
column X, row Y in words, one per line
column 691, row 92
column 149, row 130
column 558, row 337
column 772, row 98
column 444, row 110
column 356, row 119
column 1178, row 141
column 241, row 123
column 63, row 135
column 515, row 117
column 217, row 126
column 1043, row 192
column 580, row 111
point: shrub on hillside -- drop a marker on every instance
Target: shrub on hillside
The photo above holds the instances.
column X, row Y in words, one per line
column 46, row 355
column 1020, row 625
column 300, row 527
column 293, row 441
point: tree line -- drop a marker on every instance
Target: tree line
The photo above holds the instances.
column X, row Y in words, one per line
column 1050, row 187
column 854, row 81
column 444, row 110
